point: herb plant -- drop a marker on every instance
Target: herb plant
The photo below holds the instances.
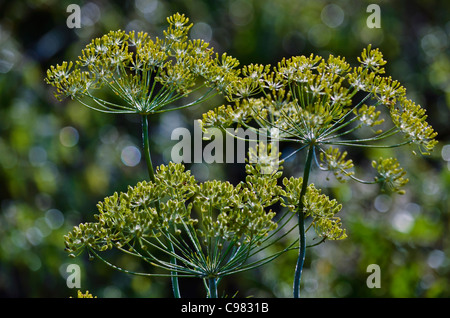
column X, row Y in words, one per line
column 208, row 230
column 155, row 217
column 324, row 107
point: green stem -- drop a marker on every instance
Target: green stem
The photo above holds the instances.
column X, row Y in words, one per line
column 151, row 173
column 212, row 284
column 148, row 158
column 301, row 224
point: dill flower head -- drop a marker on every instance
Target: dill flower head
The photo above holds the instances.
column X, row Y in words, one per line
column 213, row 226
column 316, row 205
column 328, row 106
column 85, row 295
column 147, row 74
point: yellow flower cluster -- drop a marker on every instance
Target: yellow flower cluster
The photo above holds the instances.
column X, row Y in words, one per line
column 213, row 217
column 147, row 74
column 318, row 206
column 85, row 295
column 390, row 174
column 319, row 103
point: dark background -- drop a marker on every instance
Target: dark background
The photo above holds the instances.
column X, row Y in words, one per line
column 58, row 159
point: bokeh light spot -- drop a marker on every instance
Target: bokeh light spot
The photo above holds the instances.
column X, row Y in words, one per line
column 146, row 6
column 445, row 152
column 200, row 171
column 68, row 136
column 131, row 156
column 382, row 203
column 403, row 221
column 332, row 15
column 54, row 218
column 241, row 12
column 436, row 258
column 201, row 31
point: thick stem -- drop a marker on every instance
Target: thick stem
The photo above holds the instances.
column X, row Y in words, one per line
column 212, row 284
column 301, row 224
column 151, row 173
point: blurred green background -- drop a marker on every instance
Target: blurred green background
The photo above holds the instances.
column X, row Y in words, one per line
column 57, row 160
